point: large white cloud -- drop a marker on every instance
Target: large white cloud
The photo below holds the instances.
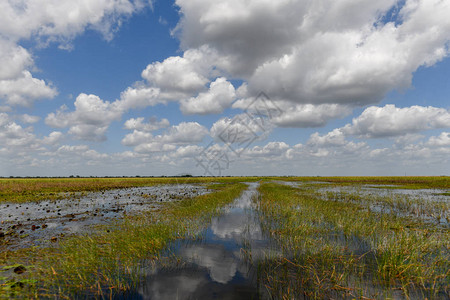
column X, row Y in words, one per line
column 177, row 78
column 386, row 121
column 62, row 19
column 319, row 52
column 49, row 21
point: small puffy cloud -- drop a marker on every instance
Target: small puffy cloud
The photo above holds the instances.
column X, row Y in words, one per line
column 136, row 138
column 89, row 121
column 180, row 77
column 53, row 138
column 68, row 149
column 139, row 97
column 388, row 121
column 154, row 147
column 270, row 150
column 152, row 125
column 309, row 115
column 14, row 136
column 219, row 97
column 443, row 140
column 90, row 109
column 23, row 90
column 13, row 59
column 185, row 133
column 89, row 132
column 19, row 141
column 241, row 129
column 333, row 138
column 407, row 139
column 4, row 119
column 26, row 118
column 80, row 155
column 187, row 151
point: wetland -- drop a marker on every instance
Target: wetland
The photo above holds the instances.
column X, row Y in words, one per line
column 225, row 238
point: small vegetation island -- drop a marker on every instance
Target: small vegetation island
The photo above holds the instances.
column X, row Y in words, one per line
column 237, row 237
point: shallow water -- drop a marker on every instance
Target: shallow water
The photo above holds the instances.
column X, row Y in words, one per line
column 428, row 205
column 39, row 223
column 215, row 267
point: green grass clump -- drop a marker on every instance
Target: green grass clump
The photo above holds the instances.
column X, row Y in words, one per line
column 337, row 249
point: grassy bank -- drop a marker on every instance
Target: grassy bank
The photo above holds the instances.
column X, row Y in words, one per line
column 343, row 249
column 109, row 260
column 38, row 189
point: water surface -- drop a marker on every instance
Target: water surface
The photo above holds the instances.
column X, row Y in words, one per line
column 216, row 266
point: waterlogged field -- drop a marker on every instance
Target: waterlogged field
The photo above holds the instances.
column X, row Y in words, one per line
column 237, row 238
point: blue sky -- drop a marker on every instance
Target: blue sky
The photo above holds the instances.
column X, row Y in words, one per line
column 121, row 87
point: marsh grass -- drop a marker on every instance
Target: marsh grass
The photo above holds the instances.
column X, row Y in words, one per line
column 39, row 189
column 337, row 249
column 109, row 260
column 331, row 247
column 392, row 182
column 422, row 208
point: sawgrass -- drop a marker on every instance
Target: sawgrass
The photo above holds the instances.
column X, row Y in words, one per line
column 336, row 249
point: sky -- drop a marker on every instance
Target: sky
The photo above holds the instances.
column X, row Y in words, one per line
column 230, row 87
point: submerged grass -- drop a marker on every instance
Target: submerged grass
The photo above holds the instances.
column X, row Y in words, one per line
column 109, row 260
column 337, row 249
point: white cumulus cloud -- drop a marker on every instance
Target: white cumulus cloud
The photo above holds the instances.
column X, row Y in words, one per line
column 389, row 120
column 220, row 96
column 313, row 53
column 89, row 121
